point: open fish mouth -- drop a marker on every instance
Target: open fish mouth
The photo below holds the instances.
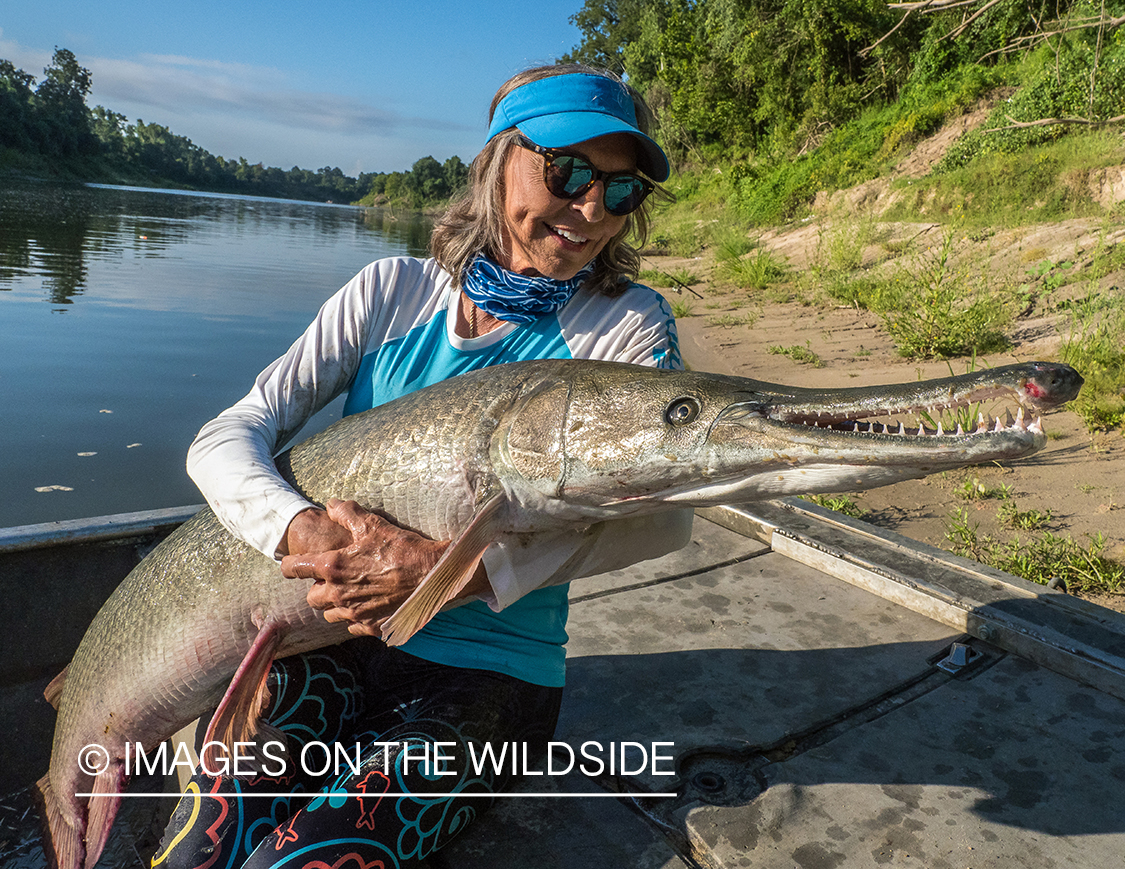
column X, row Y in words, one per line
column 1019, row 427
column 931, row 422
column 949, row 408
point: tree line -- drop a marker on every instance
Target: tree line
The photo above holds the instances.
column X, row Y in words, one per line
column 788, row 97
column 49, row 123
column 732, row 78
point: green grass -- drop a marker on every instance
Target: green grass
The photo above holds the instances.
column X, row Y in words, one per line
column 755, row 271
column 1095, row 345
column 1011, row 516
column 732, row 245
column 997, row 189
column 797, row 353
column 699, row 217
column 1041, row 557
column 930, row 309
column 771, row 189
column 975, row 490
column 840, row 503
column 940, row 312
column 731, row 320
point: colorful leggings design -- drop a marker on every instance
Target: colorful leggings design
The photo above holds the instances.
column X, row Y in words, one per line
column 363, row 692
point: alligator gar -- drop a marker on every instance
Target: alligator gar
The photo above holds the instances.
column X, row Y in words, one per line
column 508, row 450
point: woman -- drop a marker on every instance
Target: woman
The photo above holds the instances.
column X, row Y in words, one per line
column 531, row 263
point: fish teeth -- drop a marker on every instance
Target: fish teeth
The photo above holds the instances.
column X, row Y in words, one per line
column 1036, row 426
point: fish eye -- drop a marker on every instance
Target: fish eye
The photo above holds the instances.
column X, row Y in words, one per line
column 682, row 411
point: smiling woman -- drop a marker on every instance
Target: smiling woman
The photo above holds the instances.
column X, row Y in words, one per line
column 533, row 262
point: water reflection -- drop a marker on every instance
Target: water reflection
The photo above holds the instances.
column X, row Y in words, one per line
column 161, row 309
column 52, row 231
column 46, row 234
column 411, row 230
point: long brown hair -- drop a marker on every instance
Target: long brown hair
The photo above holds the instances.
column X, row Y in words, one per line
column 474, row 221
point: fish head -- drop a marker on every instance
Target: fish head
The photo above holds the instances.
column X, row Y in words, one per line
column 630, row 439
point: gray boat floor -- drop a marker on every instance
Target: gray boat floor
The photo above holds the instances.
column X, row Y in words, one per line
column 812, row 729
column 804, row 719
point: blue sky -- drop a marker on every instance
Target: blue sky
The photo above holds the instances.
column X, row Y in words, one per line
column 365, row 86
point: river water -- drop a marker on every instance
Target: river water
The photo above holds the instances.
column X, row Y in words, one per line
column 129, row 317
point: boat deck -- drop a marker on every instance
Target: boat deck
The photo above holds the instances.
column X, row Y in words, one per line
column 824, row 694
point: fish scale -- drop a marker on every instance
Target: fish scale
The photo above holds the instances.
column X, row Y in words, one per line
column 493, row 454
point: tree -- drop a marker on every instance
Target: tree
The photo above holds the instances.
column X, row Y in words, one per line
column 63, row 119
column 426, row 181
column 607, row 26
column 110, row 128
column 456, row 174
column 15, row 106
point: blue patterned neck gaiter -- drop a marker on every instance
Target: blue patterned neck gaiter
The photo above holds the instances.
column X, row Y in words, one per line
column 517, row 298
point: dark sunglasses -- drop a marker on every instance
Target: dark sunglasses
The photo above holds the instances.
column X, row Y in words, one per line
column 568, row 177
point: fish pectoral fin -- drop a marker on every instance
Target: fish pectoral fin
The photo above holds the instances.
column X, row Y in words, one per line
column 451, row 574
column 236, row 719
column 102, row 809
column 53, row 692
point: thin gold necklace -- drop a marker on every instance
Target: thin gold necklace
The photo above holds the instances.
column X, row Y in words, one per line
column 472, row 320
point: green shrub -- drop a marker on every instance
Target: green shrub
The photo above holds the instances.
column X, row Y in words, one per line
column 756, row 271
column 939, row 313
column 1095, row 346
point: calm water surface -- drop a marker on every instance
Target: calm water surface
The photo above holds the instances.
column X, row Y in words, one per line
column 130, row 317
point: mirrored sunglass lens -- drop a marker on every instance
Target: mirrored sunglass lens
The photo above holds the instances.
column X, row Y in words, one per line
column 569, row 175
column 623, row 195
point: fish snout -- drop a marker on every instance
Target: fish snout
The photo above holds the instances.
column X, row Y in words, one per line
column 1050, row 384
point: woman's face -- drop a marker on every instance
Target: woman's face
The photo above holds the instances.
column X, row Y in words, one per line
column 552, row 237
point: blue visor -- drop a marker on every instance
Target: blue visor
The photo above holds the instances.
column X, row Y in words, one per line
column 563, row 110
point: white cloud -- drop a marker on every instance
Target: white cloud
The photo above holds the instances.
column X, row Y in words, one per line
column 238, row 109
column 195, row 86
column 28, row 59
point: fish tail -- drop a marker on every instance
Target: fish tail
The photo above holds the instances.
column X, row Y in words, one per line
column 67, row 846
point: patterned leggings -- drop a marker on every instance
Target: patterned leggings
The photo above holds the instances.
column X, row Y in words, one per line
column 363, row 692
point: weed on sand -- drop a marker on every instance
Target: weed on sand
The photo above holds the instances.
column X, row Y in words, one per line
column 1095, row 345
column 1041, row 558
column 755, row 271
column 797, row 353
column 844, row 504
column 930, row 309
column 941, row 312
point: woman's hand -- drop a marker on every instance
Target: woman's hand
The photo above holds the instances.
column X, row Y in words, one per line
column 364, row 566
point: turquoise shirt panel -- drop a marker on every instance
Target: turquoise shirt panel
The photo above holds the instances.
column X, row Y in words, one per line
column 424, row 357
column 525, row 639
